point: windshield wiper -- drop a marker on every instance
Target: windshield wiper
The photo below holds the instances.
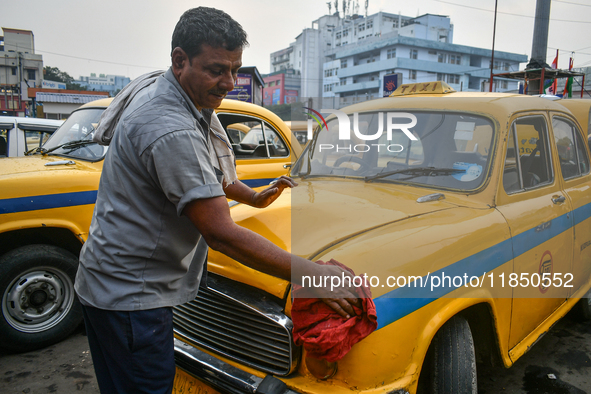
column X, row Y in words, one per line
column 35, row 150
column 418, row 171
column 69, row 145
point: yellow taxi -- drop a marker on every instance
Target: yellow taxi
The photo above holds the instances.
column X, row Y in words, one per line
column 46, row 205
column 581, row 108
column 469, row 215
column 300, row 129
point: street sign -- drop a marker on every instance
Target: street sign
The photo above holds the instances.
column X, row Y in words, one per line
column 391, row 82
column 242, row 89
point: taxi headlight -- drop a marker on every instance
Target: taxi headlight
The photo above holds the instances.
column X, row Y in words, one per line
column 321, row 369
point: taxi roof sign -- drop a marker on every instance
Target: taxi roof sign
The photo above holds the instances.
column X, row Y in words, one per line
column 435, row 87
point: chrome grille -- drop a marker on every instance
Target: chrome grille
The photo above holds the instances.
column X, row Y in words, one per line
column 233, row 320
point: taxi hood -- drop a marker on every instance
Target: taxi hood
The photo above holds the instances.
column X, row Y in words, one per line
column 320, row 214
column 13, row 166
column 44, row 175
column 326, row 213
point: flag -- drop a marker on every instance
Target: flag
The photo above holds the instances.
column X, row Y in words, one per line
column 550, row 85
column 568, row 86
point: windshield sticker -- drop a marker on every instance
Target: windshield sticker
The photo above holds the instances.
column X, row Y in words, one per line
column 463, row 135
column 464, row 131
column 471, row 171
column 465, row 126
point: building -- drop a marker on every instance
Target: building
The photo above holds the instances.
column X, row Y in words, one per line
column 281, row 87
column 104, row 83
column 345, row 59
column 20, row 69
column 23, row 92
column 306, row 55
column 59, row 103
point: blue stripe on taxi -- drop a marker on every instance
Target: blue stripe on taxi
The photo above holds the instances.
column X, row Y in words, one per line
column 49, row 201
column 390, row 310
column 62, row 200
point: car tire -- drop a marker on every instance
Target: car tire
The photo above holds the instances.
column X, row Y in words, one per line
column 584, row 307
column 39, row 304
column 453, row 361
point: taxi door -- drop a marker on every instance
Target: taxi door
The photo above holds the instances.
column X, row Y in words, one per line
column 538, row 214
column 574, row 167
column 262, row 152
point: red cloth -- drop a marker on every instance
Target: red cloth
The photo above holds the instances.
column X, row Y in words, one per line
column 323, row 332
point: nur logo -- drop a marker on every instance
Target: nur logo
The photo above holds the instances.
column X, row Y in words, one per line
column 345, row 124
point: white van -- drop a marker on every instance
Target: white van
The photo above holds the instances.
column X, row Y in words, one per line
column 19, row 135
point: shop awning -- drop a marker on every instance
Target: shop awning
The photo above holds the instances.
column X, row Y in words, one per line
column 67, row 98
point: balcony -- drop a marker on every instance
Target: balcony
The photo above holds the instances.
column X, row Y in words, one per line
column 364, row 86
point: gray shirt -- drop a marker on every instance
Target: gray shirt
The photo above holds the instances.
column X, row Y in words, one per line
column 142, row 253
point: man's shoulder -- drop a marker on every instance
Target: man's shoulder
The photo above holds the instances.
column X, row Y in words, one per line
column 161, row 111
column 161, row 100
column 155, row 113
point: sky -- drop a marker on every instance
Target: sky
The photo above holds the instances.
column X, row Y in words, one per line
column 132, row 37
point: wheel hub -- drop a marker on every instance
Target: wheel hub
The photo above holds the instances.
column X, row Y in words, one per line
column 37, row 300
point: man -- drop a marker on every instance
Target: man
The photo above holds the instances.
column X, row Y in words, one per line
column 161, row 202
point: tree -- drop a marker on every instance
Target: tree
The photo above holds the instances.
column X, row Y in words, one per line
column 55, row 74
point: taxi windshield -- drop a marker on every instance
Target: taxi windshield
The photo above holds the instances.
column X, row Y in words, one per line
column 446, row 150
column 74, row 138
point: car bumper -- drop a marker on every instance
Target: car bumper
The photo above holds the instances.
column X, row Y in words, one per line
column 223, row 376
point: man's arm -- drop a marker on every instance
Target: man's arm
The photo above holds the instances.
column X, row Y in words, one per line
column 240, row 192
column 212, row 218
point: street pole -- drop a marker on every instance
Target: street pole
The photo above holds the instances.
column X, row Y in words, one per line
column 20, row 79
column 492, row 58
column 539, row 43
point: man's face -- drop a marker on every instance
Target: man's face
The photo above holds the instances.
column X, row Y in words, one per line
column 209, row 76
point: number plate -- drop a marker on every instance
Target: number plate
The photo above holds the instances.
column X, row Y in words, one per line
column 187, row 384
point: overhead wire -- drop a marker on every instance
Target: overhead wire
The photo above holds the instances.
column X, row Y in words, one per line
column 570, row 2
column 507, row 13
column 100, row 61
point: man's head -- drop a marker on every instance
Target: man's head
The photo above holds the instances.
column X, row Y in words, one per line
column 206, row 53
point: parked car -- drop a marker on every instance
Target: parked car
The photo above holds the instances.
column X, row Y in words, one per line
column 19, row 135
column 468, row 212
column 46, row 205
column 300, row 129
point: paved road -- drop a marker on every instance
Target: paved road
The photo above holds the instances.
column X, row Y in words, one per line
column 62, row 368
column 564, row 352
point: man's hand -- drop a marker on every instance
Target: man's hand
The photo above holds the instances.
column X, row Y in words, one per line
column 266, row 197
column 246, row 195
column 341, row 298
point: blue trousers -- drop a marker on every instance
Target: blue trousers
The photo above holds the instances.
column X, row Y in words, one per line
column 132, row 352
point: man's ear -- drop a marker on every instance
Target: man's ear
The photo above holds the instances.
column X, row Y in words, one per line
column 179, row 60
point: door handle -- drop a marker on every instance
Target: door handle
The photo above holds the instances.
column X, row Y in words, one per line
column 286, row 166
column 558, row 199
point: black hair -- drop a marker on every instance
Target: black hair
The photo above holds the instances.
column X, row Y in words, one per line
column 204, row 25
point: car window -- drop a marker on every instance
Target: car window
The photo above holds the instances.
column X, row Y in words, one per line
column 277, row 147
column 253, row 138
column 571, row 151
column 527, row 159
column 3, row 142
column 236, row 132
column 35, row 139
column 79, row 127
column 449, row 150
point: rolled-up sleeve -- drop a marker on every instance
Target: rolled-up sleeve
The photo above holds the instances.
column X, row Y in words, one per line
column 180, row 163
